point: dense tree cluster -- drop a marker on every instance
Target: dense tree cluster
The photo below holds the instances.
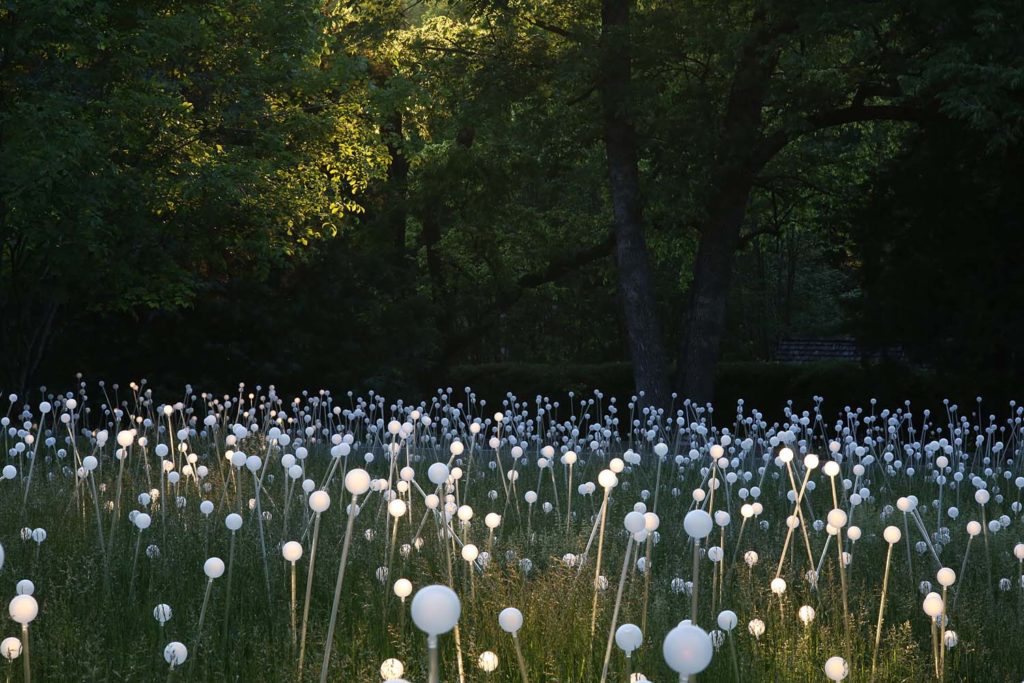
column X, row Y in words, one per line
column 379, row 190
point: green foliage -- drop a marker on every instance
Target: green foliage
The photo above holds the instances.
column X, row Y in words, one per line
column 149, row 148
column 352, row 169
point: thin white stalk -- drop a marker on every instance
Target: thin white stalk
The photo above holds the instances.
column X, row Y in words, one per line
column 615, row 612
column 329, row 645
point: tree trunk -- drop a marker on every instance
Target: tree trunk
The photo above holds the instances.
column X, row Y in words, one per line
column 732, row 182
column 712, row 277
column 636, row 284
column 398, row 183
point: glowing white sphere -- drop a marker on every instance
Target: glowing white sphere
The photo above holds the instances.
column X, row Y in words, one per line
column 687, row 649
column 233, row 521
column 214, row 567
column 488, row 661
column 837, row 518
column 10, row 648
column 175, row 653
column 403, row 588
column 756, row 628
column 511, row 620
column 470, row 552
column 607, row 479
column 727, row 620
column 892, row 534
column 933, row 605
column 437, row 473
column 142, row 521
column 836, row 668
column 391, row 669
column 628, row 637
column 635, row 522
column 946, row 577
column 397, row 508
column 23, row 609
column 435, row 609
column 697, row 523
column 292, row 551
column 319, row 501
column 357, row 482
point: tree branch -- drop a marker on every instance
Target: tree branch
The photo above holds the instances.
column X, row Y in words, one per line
column 775, row 142
column 551, row 28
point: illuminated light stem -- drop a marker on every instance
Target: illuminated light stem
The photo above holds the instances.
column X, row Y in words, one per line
column 329, row 643
column 597, row 568
column 647, row 580
column 962, row 575
column 615, row 611
column 294, row 629
column 519, row 659
column 942, row 637
column 263, row 539
column 27, row 668
column 199, row 627
column 434, row 675
column 568, row 507
column 227, row 600
column 881, row 612
column 696, row 576
column 309, row 591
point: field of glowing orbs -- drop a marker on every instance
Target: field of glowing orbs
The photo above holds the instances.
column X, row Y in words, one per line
column 330, row 537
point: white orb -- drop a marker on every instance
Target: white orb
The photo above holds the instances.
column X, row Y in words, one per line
column 727, row 620
column 438, row 473
column 511, row 620
column 488, row 661
column 391, row 669
column 319, row 501
column 628, row 637
column 436, row 609
column 403, row 588
column 10, row 648
column 688, row 649
column 23, row 609
column 175, row 653
column 697, row 523
column 163, row 613
column 357, row 482
column 214, row 567
column 292, row 551
column 836, row 668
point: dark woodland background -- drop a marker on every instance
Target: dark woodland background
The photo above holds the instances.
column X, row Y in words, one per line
column 722, row 199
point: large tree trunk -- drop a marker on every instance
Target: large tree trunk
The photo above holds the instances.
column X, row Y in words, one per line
column 636, row 285
column 732, row 179
column 709, row 292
